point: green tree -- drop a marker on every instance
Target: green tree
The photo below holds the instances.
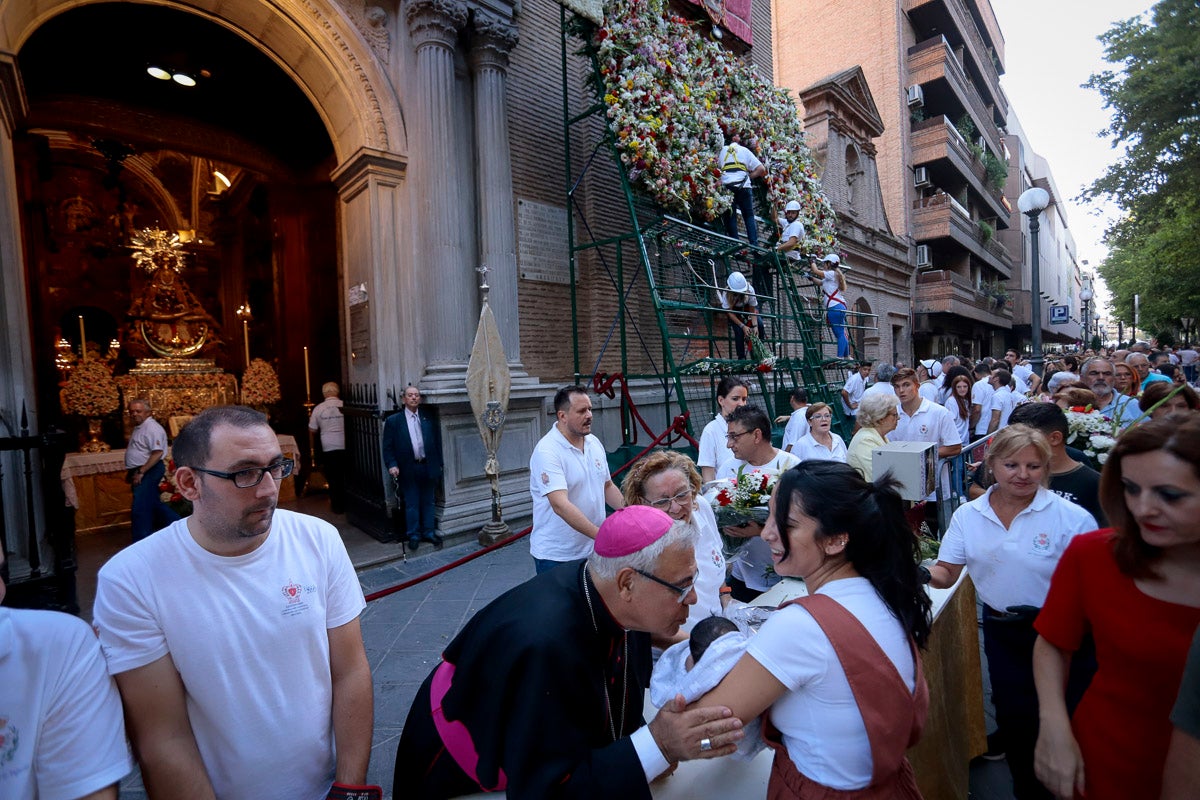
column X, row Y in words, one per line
column 1153, row 93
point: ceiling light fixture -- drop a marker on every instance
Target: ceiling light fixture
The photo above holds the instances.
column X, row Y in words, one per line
column 158, row 72
column 221, row 178
column 183, row 79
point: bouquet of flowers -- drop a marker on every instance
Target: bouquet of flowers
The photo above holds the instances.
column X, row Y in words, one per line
column 260, row 384
column 168, row 492
column 91, row 390
column 667, row 91
column 1091, row 432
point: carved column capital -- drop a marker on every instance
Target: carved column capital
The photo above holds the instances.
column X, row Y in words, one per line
column 435, row 21
column 492, row 40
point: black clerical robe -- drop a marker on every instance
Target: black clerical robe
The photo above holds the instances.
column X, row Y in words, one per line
column 530, row 672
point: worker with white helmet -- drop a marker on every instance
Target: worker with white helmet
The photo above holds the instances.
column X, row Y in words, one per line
column 789, row 240
column 741, row 306
column 828, row 272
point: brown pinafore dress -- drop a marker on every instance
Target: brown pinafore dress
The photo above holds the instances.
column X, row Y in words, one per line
column 894, row 717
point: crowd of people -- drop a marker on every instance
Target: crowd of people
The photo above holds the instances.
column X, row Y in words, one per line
column 242, row 620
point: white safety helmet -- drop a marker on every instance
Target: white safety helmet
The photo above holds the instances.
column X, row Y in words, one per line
column 832, row 258
column 737, row 283
column 793, row 205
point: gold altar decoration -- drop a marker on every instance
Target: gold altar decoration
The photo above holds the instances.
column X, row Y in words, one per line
column 178, row 387
column 167, row 316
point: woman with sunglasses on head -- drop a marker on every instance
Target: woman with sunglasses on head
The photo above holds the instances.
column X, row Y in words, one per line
column 837, row 672
column 1136, row 589
column 668, row 481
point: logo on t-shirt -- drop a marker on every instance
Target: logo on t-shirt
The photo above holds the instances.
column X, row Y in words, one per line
column 293, row 592
column 10, row 739
column 924, row 429
column 1041, row 544
column 545, row 479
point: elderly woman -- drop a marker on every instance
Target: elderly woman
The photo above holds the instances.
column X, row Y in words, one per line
column 878, row 416
column 1011, row 539
column 838, row 671
column 820, row 442
column 1180, row 398
column 668, row 481
column 1136, row 588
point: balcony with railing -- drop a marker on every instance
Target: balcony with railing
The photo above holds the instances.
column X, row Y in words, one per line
column 943, row 217
column 932, row 63
column 935, row 142
column 957, row 16
column 941, row 291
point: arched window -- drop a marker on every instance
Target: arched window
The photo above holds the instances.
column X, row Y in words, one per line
column 853, row 172
column 862, row 322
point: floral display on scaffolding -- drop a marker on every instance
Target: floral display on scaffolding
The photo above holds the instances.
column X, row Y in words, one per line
column 668, row 89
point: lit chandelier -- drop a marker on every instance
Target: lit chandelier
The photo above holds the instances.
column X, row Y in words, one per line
column 155, row 249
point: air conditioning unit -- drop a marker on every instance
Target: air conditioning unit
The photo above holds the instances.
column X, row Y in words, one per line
column 921, row 177
column 923, row 257
column 916, row 95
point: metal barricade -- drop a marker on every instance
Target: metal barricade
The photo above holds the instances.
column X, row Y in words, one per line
column 957, row 471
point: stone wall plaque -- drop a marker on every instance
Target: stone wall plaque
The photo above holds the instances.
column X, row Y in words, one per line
column 542, row 242
column 360, row 332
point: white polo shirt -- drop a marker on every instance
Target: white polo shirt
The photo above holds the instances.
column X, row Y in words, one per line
column 713, row 450
column 809, row 449
column 557, row 464
column 797, row 429
column 856, row 384
column 752, row 559
column 982, row 394
column 1013, row 566
column 1004, row 400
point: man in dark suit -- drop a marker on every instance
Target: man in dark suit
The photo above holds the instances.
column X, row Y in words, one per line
column 412, row 453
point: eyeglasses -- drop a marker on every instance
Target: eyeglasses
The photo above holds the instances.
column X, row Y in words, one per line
column 252, row 476
column 733, row 437
column 681, row 591
column 680, row 499
column 822, row 416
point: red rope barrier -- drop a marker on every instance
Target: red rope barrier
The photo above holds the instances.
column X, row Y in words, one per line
column 447, row 567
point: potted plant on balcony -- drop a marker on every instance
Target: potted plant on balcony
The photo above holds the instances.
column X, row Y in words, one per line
column 997, row 292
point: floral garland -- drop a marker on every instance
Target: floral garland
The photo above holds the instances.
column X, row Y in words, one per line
column 260, row 384
column 91, row 391
column 667, row 90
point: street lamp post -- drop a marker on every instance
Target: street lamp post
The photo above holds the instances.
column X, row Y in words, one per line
column 1187, row 324
column 1086, row 296
column 1032, row 203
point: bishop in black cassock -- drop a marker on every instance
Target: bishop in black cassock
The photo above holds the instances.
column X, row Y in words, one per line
column 541, row 693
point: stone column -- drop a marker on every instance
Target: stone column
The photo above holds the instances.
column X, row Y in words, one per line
column 442, row 268
column 492, row 40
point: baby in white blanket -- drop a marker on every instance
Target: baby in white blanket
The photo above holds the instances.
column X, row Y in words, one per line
column 694, row 667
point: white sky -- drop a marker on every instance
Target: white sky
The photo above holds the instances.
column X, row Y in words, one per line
column 1050, row 49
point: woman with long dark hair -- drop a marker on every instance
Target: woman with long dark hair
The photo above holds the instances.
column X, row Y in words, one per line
column 1136, row 589
column 958, row 403
column 838, row 671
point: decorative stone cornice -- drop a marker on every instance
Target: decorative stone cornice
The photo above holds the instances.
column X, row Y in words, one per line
column 492, row 39
column 371, row 21
column 435, row 22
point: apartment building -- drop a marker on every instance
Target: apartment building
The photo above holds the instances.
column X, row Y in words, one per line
column 933, row 69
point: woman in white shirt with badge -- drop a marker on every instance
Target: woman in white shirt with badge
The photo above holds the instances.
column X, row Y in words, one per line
column 820, row 443
column 714, row 451
column 1011, row 540
column 833, row 291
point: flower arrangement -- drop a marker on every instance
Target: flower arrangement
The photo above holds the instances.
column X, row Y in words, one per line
column 742, row 498
column 91, row 390
column 1091, row 432
column 260, row 384
column 667, row 91
column 169, row 494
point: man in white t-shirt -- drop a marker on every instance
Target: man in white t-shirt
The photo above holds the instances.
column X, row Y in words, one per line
column 233, row 634
column 883, row 381
column 793, row 233
column 570, row 483
column 1004, row 399
column 61, row 730
column 749, row 438
column 797, row 422
column 853, row 389
column 982, row 395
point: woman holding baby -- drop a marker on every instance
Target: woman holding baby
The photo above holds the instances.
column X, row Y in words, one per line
column 838, row 672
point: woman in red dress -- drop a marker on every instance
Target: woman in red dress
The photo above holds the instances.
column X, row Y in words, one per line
column 1136, row 587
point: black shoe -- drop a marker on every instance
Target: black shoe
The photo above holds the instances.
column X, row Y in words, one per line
column 433, row 539
column 413, row 543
